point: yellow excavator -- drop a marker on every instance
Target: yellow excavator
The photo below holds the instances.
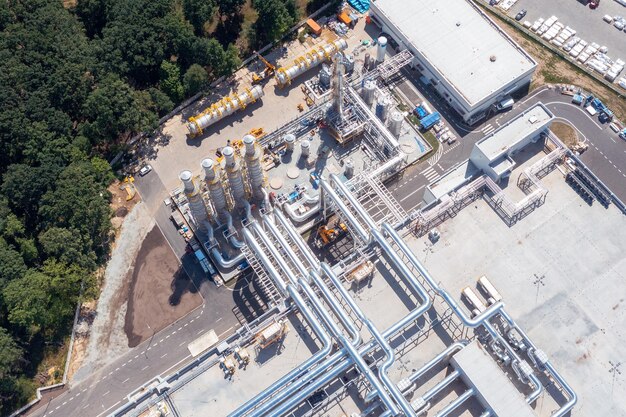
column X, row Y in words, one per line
column 266, row 73
column 329, row 235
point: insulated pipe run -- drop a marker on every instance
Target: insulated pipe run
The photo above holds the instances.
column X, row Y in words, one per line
column 344, row 209
column 301, row 217
column 469, row 322
column 251, row 241
column 217, row 256
column 456, row 403
column 451, row 350
column 295, row 236
column 270, row 246
column 573, row 398
column 428, row 395
column 357, row 206
column 352, row 352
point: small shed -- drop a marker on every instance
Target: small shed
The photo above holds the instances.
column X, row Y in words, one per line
column 345, row 19
column 314, row 27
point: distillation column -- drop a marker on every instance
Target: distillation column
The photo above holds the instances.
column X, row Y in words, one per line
column 212, row 177
column 338, row 71
column 196, row 203
column 256, row 175
column 235, row 176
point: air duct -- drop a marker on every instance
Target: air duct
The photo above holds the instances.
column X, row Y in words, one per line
column 235, row 176
column 256, row 175
column 196, row 203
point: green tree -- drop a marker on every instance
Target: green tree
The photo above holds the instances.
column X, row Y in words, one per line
column 93, row 14
column 170, row 82
column 231, row 60
column 10, row 354
column 112, row 109
column 12, row 264
column 68, row 246
column 198, row 12
column 160, row 101
column 275, row 18
column 230, row 7
column 195, row 79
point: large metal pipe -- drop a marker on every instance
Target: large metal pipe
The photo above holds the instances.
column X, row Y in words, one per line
column 301, row 217
column 357, row 206
column 573, row 397
column 297, row 239
column 468, row 321
column 441, row 385
column 352, row 352
column 456, row 403
column 344, row 209
column 311, row 58
column 223, row 108
column 449, row 351
column 251, row 241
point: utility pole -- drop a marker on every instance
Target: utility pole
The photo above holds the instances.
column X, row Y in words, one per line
column 538, row 282
column 615, row 371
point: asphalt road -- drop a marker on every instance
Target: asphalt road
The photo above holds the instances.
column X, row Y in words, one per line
column 223, row 309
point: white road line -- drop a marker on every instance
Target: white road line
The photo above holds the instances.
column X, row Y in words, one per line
column 164, row 355
column 106, row 393
column 126, row 380
column 145, row 367
column 224, row 332
column 411, row 193
column 86, row 405
column 182, row 343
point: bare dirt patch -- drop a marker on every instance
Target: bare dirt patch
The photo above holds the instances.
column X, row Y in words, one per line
column 565, row 132
column 124, row 197
column 160, row 290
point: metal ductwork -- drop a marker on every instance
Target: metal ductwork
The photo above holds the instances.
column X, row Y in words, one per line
column 223, row 108
column 196, row 203
column 312, row 58
column 212, row 177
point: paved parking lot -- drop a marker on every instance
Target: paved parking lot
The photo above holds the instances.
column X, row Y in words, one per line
column 587, row 22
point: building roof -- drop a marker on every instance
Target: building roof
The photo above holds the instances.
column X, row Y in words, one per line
column 460, row 41
column 515, row 131
column 453, row 179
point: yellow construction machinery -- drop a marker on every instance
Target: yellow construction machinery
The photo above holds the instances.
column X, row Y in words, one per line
column 300, row 107
column 129, row 186
column 328, row 235
column 266, row 73
column 258, row 132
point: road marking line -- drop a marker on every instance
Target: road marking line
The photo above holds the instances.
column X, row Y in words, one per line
column 413, row 192
column 224, row 332
column 182, row 343
column 186, row 324
column 86, row 406
column 126, row 380
column 106, row 393
column 164, row 355
column 136, row 356
column 161, row 341
column 117, row 369
column 145, row 367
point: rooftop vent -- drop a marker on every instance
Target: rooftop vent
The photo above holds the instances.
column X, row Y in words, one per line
column 493, row 58
column 458, row 24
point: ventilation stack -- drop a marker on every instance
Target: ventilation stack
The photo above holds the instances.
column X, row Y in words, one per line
column 256, row 175
column 235, row 176
column 196, row 203
column 338, row 84
column 381, row 50
column 212, row 177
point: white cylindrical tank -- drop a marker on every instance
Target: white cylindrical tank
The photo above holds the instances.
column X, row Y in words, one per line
column 395, row 123
column 290, row 140
column 212, row 173
column 369, row 92
column 256, row 175
column 382, row 107
column 225, row 107
column 381, row 49
column 310, row 59
column 235, row 176
column 196, row 203
column 305, row 148
column 348, row 168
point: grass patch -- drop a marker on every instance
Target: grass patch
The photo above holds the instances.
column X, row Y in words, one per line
column 565, row 132
column 428, row 136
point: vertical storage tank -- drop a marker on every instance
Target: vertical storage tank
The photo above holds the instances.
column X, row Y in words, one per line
column 290, row 140
column 305, row 149
column 381, row 49
column 367, row 63
column 369, row 92
column 196, row 204
column 395, row 123
column 382, row 107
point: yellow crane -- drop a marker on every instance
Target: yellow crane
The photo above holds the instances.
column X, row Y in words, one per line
column 266, row 73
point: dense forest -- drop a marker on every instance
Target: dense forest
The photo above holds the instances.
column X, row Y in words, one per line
column 77, row 80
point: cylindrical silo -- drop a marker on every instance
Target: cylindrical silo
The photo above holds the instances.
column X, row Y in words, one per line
column 395, row 123
column 348, row 168
column 382, row 107
column 235, row 176
column 369, row 92
column 305, row 148
column 290, row 140
column 382, row 49
column 212, row 174
column 196, row 203
column 256, row 175
column 367, row 64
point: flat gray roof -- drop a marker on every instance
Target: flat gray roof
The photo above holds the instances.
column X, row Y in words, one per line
column 453, row 179
column 459, row 41
column 493, row 387
column 515, row 131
